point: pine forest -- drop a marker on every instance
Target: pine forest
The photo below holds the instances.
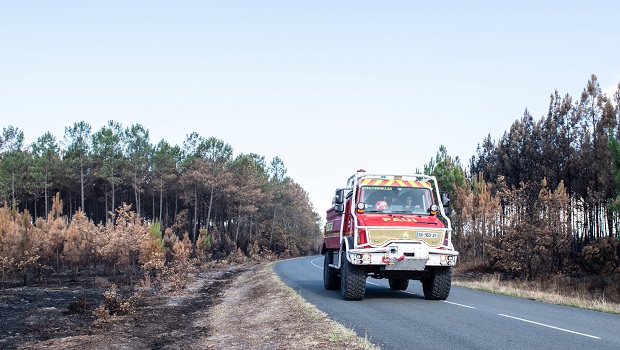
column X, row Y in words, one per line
column 112, row 200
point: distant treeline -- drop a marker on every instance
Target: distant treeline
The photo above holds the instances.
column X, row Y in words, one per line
column 543, row 199
column 200, row 186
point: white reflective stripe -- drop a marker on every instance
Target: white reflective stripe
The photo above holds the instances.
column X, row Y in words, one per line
column 548, row 326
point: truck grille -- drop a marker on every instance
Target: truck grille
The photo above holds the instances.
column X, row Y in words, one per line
column 380, row 236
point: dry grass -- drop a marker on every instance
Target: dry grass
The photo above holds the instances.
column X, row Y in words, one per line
column 552, row 293
column 338, row 335
column 258, row 311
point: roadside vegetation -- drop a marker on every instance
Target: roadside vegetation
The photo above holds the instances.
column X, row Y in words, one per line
column 280, row 318
column 553, row 293
column 221, row 201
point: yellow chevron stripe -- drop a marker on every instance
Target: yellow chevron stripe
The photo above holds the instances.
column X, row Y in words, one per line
column 401, row 183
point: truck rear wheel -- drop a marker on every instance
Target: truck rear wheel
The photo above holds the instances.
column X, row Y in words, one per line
column 398, row 284
column 352, row 279
column 437, row 285
column 331, row 279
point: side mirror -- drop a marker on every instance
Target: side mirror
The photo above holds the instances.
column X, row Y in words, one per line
column 445, row 199
column 339, row 198
column 339, row 208
column 338, row 201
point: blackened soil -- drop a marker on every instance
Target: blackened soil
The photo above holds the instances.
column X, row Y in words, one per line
column 58, row 314
column 41, row 311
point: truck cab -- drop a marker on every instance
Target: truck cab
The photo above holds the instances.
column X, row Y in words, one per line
column 388, row 226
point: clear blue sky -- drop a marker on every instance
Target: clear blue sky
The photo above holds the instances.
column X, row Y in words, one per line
column 327, row 86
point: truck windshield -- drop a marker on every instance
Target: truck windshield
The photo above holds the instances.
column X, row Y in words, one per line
column 389, row 199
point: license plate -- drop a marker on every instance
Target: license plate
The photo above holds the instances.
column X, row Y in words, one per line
column 427, row 235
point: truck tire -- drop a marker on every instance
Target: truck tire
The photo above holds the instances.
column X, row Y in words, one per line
column 352, row 279
column 437, row 285
column 331, row 279
column 398, row 284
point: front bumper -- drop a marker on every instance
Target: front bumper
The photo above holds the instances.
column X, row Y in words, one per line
column 403, row 256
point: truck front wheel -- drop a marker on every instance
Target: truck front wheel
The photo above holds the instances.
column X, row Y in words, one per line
column 437, row 284
column 331, row 279
column 352, row 279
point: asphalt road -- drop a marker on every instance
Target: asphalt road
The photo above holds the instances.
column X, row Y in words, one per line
column 466, row 320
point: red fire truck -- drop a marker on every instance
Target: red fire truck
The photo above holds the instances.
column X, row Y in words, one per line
column 387, row 226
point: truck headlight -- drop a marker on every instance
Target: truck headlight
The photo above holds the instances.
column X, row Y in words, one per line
column 363, row 258
column 446, row 259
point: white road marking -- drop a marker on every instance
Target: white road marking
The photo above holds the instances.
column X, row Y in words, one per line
column 315, row 265
column 546, row 325
column 457, row 304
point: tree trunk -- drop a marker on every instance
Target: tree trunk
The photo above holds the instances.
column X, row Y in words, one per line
column 107, row 217
column 13, row 189
column 250, row 230
column 136, row 191
column 210, row 206
column 161, row 198
column 195, row 213
column 45, row 186
column 113, row 204
column 82, row 181
column 273, row 224
column 238, row 227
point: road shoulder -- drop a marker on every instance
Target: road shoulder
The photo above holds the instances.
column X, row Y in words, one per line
column 260, row 311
